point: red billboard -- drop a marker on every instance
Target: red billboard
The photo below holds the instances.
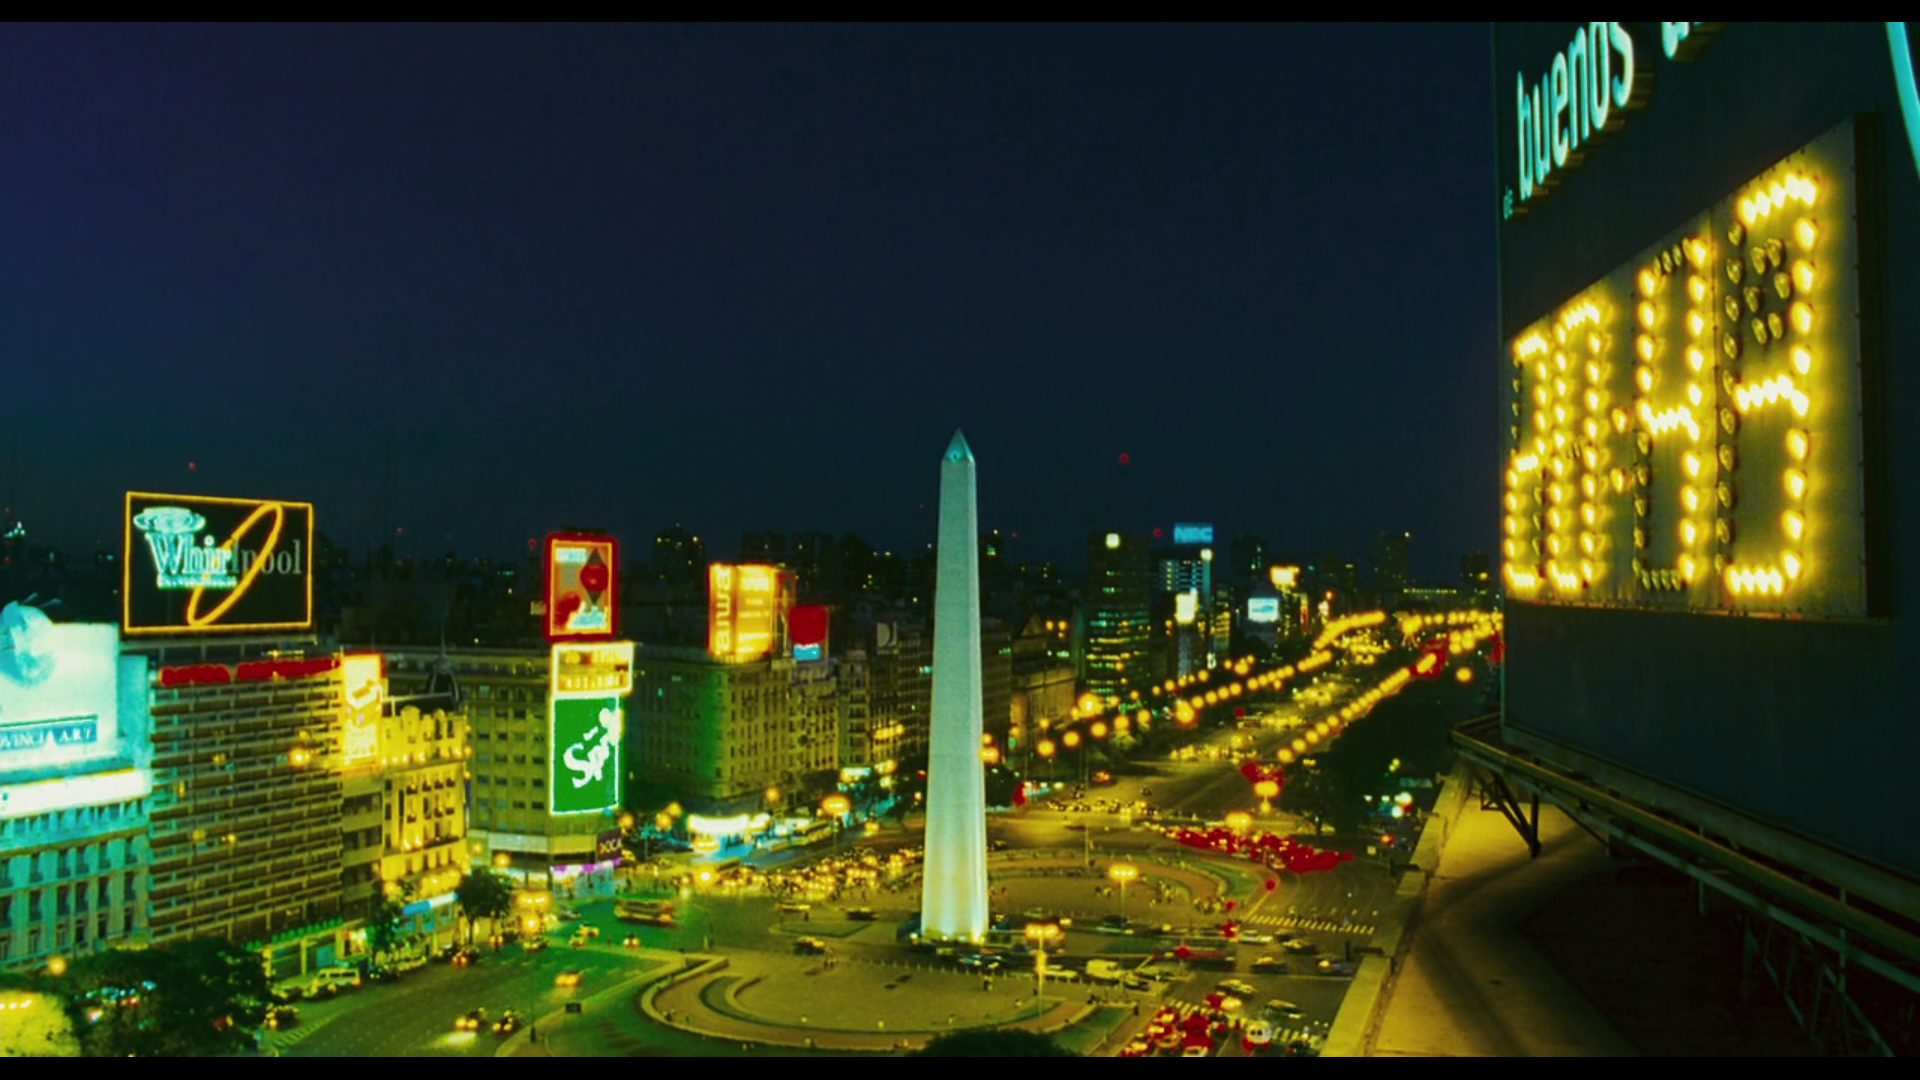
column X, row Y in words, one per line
column 582, row 576
column 807, row 626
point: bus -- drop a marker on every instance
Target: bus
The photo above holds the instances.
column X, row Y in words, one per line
column 813, row 832
column 650, row 912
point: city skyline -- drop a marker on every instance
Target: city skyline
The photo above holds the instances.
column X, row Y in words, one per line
column 760, row 260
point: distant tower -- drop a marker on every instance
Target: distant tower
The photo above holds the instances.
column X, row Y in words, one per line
column 953, row 896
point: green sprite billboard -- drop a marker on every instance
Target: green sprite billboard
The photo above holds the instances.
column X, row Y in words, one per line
column 585, row 745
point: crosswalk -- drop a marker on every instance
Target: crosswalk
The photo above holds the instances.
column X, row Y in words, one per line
column 1315, row 923
column 279, row 1042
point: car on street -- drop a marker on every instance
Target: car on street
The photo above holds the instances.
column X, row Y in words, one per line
column 810, row 946
column 862, row 914
column 1301, row 947
column 1286, row 1009
column 567, row 914
column 464, row 956
column 282, row 1017
column 793, row 906
column 1239, row 987
column 533, row 944
column 471, row 1020
column 568, row 979
column 631, row 941
column 1330, row 966
column 1269, row 965
column 980, row 962
column 1256, row 937
column 508, row 1023
column 1136, row 1048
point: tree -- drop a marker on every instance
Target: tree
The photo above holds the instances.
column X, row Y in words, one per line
column 34, row 1024
column 202, row 997
column 484, row 894
column 992, row 1044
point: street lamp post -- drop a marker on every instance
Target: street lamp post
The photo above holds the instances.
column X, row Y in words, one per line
column 1121, row 873
column 836, row 806
column 1040, row 934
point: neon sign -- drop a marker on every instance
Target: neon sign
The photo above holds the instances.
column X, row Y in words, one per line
column 585, row 734
column 1584, row 93
column 600, row 668
column 170, row 532
column 746, row 608
column 1685, row 433
column 207, row 565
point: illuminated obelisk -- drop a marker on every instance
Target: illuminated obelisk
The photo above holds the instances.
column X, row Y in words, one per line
column 953, row 894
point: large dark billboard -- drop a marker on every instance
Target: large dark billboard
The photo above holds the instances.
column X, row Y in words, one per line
column 196, row 564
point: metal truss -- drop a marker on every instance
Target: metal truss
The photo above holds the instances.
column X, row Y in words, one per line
column 1849, row 974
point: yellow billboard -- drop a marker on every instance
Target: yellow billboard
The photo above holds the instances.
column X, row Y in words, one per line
column 747, row 607
column 1684, row 434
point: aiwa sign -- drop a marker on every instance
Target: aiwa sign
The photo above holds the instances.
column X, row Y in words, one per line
column 195, row 564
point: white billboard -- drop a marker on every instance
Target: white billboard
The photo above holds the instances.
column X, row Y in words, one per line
column 58, row 693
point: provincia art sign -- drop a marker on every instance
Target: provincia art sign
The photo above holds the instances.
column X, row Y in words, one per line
column 198, row 564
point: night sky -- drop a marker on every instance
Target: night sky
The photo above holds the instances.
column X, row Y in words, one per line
column 752, row 277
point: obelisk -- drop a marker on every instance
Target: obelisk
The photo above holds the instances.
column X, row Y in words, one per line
column 953, row 893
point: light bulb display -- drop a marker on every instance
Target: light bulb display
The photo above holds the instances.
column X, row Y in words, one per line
column 1724, row 358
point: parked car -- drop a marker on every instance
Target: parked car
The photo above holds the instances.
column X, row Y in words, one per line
column 810, row 946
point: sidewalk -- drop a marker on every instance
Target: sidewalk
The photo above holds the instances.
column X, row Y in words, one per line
column 1470, row 984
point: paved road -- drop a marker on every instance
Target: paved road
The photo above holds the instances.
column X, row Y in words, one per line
column 416, row 1015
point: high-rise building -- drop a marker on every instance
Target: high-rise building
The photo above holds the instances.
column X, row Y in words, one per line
column 404, row 821
column 1247, row 558
column 679, row 558
column 1476, row 572
column 74, row 784
column 247, row 801
column 1115, row 629
column 507, row 698
column 1042, row 682
column 764, row 547
column 1392, row 567
column 717, row 734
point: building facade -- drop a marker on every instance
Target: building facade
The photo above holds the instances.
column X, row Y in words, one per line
column 248, row 801
column 74, row 786
column 1115, row 627
column 505, row 695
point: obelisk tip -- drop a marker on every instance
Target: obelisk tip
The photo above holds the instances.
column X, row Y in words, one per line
column 958, row 450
